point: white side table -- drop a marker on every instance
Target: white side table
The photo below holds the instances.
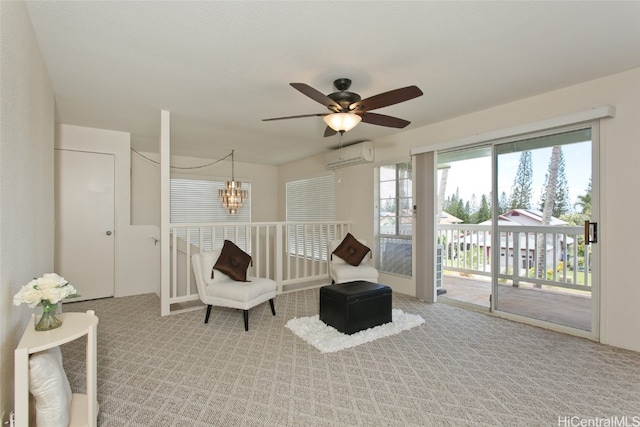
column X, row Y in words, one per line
column 84, row 407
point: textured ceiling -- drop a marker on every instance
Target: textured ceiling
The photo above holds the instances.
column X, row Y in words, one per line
column 221, row 67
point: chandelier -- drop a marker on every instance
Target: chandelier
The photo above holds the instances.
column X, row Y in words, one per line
column 232, row 195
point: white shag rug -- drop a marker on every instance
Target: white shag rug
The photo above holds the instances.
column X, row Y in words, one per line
column 328, row 339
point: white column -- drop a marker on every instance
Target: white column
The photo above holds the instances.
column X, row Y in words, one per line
column 165, row 175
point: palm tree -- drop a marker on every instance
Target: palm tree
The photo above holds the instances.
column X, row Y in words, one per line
column 442, row 191
column 550, row 191
column 584, row 201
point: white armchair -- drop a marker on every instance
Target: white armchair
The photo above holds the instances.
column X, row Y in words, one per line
column 223, row 291
column 341, row 272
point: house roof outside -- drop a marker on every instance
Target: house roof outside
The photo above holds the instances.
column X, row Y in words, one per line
column 530, row 217
column 524, row 217
column 447, row 218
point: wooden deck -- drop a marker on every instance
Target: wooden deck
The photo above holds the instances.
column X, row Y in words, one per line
column 567, row 309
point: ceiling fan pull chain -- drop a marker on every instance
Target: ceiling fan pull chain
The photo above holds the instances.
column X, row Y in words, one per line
column 340, row 140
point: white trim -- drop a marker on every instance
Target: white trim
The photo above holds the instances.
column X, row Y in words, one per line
column 583, row 116
column 597, row 316
column 424, row 234
column 543, row 324
column 392, row 161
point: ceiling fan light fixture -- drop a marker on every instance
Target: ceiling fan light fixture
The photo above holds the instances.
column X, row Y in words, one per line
column 342, row 122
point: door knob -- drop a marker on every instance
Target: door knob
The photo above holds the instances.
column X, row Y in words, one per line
column 108, row 233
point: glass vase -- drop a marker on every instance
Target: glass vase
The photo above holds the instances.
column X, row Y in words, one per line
column 48, row 316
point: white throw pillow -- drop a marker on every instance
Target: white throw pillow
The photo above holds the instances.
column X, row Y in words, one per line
column 49, row 385
column 207, row 261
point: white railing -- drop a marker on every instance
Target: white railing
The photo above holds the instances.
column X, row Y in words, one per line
column 540, row 255
column 293, row 254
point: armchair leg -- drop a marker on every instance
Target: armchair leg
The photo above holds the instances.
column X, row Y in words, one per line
column 206, row 318
column 246, row 320
column 273, row 310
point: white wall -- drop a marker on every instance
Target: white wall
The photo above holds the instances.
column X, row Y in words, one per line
column 145, row 184
column 620, row 149
column 26, row 183
column 137, row 255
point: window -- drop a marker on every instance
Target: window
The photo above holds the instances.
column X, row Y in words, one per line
column 308, row 200
column 395, row 219
column 195, row 201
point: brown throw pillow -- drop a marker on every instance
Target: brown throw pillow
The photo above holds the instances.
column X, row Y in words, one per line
column 351, row 250
column 233, row 262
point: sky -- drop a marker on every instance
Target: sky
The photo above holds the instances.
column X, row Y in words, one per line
column 474, row 176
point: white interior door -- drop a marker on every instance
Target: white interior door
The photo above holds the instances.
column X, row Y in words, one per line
column 84, row 231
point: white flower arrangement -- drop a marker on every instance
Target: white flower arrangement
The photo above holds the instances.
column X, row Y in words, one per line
column 48, row 289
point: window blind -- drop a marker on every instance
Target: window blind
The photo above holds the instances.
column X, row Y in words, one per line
column 195, row 201
column 310, row 199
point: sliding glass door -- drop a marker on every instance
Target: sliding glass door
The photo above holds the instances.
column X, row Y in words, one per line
column 511, row 227
column 464, row 225
column 543, row 265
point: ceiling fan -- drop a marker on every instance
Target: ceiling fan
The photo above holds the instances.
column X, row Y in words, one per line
column 347, row 109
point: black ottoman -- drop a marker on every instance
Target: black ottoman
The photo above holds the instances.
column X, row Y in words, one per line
column 355, row 306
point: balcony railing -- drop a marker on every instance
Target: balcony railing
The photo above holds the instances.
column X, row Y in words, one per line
column 293, row 254
column 540, row 255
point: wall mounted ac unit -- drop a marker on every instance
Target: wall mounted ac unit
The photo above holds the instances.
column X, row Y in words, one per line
column 351, row 155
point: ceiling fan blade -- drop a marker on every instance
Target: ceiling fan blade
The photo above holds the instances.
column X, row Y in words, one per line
column 316, row 95
column 387, row 98
column 295, row 117
column 383, row 120
column 329, row 132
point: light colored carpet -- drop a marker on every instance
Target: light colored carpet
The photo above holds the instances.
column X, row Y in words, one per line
column 461, row 368
column 329, row 340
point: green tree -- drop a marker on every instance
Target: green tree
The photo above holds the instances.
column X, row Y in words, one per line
column 560, row 203
column 584, row 209
column 449, row 202
column 484, row 212
column 574, row 218
column 456, row 207
column 521, row 190
column 466, row 212
column 473, row 208
column 503, row 203
column 584, row 201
